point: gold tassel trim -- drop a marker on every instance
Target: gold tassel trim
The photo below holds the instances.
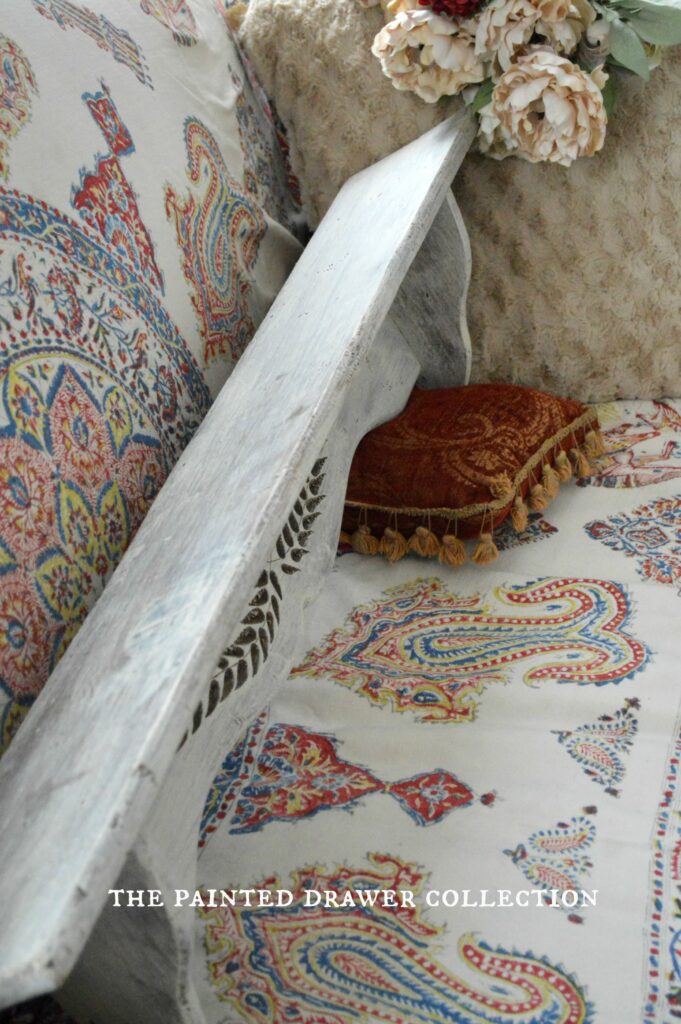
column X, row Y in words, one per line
column 392, row 545
column 486, row 550
column 519, row 515
column 452, row 550
column 539, row 499
column 580, row 462
column 563, row 467
column 550, row 480
column 423, row 542
column 363, row 542
column 594, row 445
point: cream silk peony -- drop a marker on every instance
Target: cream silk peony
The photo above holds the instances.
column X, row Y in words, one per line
column 391, row 8
column 541, row 62
column 505, row 27
column 544, row 108
column 564, row 22
column 429, row 55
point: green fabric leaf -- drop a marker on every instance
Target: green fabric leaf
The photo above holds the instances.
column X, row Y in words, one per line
column 483, row 95
column 628, row 49
column 609, row 95
column 655, row 21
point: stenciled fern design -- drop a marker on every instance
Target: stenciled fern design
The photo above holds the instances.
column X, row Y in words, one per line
column 246, row 654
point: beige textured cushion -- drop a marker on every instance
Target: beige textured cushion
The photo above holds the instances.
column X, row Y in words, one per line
column 341, row 113
column 576, row 277
column 576, row 271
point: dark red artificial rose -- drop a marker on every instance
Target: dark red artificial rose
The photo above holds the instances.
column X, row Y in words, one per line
column 453, row 8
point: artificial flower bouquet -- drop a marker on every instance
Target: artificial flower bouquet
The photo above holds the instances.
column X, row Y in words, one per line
column 533, row 70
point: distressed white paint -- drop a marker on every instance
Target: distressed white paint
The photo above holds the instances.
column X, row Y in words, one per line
column 103, row 987
column 92, row 781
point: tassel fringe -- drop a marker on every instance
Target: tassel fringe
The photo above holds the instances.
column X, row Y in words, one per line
column 363, row 542
column 452, row 550
column 486, row 550
column 550, row 480
column 392, row 545
column 423, row 542
column 501, row 486
column 594, row 445
column 234, row 15
column 539, row 499
column 580, row 462
column 519, row 515
column 563, row 467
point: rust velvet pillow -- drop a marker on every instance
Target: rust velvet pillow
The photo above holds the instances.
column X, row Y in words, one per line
column 457, row 462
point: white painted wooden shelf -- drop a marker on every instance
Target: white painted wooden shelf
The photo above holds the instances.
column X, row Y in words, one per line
column 94, row 788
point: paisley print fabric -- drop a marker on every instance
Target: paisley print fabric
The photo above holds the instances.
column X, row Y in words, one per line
column 428, row 651
column 663, row 919
column 650, row 534
column 556, row 860
column 85, row 444
column 219, row 232
column 108, row 204
column 105, row 199
column 643, row 444
column 547, row 686
column 108, row 120
column 601, row 747
column 538, row 528
column 292, row 760
column 107, row 35
column 17, row 90
column 337, row 966
column 103, row 350
column 175, row 15
column 266, row 176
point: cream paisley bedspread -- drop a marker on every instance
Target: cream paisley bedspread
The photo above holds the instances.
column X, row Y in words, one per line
column 498, row 747
column 506, row 736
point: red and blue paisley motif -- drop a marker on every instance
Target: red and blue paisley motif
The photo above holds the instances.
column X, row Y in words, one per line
column 99, row 395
